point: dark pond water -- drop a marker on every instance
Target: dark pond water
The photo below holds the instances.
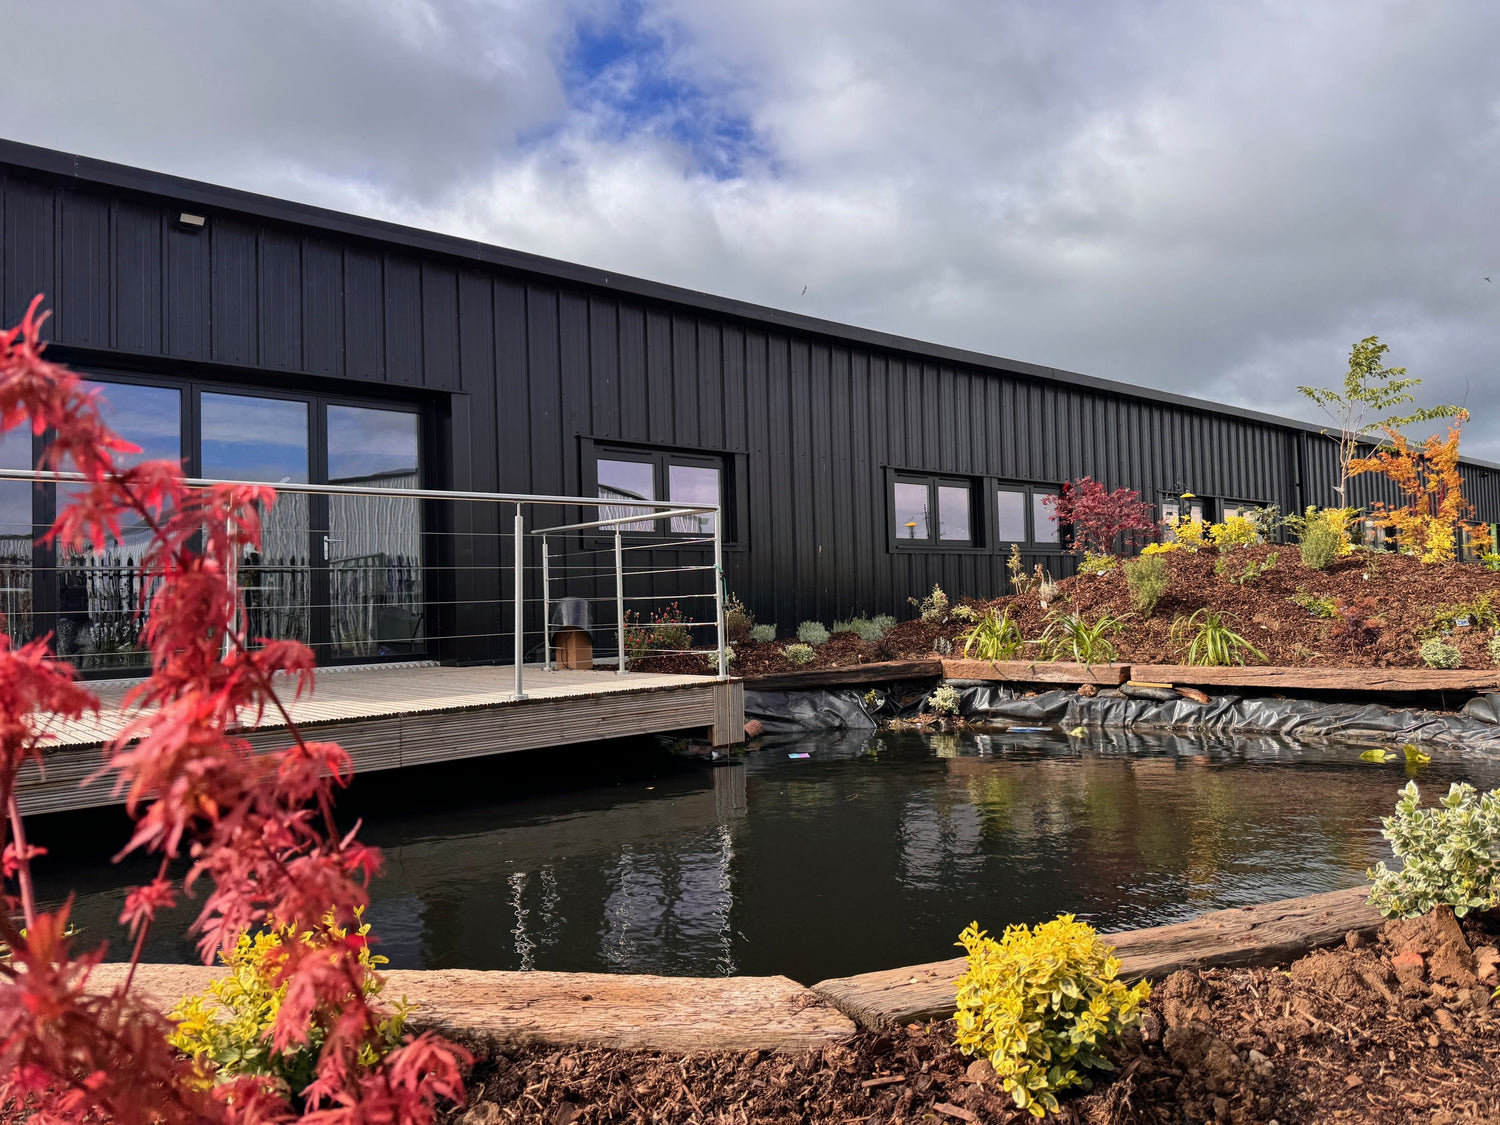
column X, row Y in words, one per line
column 871, row 852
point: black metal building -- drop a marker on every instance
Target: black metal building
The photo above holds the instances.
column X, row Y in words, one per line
column 856, row 468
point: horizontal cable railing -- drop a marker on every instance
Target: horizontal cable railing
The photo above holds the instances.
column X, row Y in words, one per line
column 370, row 572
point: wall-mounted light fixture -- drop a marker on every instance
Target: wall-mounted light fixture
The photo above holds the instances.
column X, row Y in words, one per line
column 188, row 219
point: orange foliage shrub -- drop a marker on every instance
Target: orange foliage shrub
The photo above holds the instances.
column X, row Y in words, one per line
column 1428, row 524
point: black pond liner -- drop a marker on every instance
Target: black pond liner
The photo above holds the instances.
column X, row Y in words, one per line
column 1474, row 730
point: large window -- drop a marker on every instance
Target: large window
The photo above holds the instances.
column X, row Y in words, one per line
column 16, row 536
column 342, row 573
column 1023, row 515
column 932, row 511
column 653, row 474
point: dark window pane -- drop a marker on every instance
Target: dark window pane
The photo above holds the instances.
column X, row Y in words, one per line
column 693, row 484
column 911, row 511
column 372, row 447
column 266, row 439
column 15, row 537
column 1042, row 520
column 953, row 513
column 626, row 480
column 1012, row 510
column 374, row 542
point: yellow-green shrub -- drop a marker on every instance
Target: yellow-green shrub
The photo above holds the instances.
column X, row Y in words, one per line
column 226, row 1030
column 1236, row 531
column 1040, row 1004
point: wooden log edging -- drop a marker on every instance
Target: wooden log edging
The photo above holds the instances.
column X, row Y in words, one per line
column 883, row 672
column 631, row 1012
column 1268, row 934
column 1036, row 672
column 686, row 1014
column 1323, row 679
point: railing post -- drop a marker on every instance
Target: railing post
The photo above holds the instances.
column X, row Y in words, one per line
column 719, row 593
column 520, row 602
column 546, row 611
column 620, row 599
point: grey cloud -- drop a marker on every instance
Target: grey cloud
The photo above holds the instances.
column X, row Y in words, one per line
column 1216, row 199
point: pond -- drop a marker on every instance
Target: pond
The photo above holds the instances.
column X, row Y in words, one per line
column 821, row 856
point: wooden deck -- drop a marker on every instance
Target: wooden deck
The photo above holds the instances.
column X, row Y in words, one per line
column 406, row 715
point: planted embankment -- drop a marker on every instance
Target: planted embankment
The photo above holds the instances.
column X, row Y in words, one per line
column 689, row 1014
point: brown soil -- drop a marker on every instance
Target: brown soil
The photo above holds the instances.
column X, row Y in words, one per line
column 1387, row 604
column 1399, row 1029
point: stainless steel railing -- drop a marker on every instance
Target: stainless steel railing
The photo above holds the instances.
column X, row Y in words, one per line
column 374, row 570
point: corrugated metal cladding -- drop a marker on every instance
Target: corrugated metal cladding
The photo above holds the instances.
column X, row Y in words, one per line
column 518, row 368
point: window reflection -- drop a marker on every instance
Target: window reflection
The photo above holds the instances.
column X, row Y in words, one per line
column 911, row 511
column 1043, row 522
column 953, row 513
column 693, row 484
column 1012, row 512
column 626, row 480
column 266, row 439
column 100, row 592
column 374, row 542
column 16, row 537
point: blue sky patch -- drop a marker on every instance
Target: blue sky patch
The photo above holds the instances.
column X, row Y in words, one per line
column 621, row 69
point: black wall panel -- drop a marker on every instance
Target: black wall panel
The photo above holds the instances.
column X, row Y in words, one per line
column 517, row 365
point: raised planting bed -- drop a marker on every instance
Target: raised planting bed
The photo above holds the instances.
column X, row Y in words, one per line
column 1251, row 935
column 1393, row 1027
column 1036, row 672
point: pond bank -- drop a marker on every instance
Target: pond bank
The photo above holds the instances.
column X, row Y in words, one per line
column 641, row 1012
column 1475, row 728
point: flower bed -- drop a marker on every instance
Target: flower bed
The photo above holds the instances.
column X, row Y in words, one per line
column 1394, row 1030
column 1370, row 609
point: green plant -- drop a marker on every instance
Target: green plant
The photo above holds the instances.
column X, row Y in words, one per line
column 1252, row 570
column 1040, row 1004
column 226, row 1030
column 763, row 634
column 1318, row 607
column 1438, row 653
column 995, row 636
column 666, row 631
column 812, row 633
column 1450, row 854
column 1367, row 402
column 1097, row 564
column 1490, row 560
column 1478, row 612
column 1235, row 531
column 870, row 629
column 944, row 700
column 1020, row 581
column 934, row 607
column 966, row 614
column 711, row 658
column 1494, row 647
column 1073, row 637
column 738, row 620
column 799, row 654
column 1148, row 578
column 1319, row 542
column 1211, row 641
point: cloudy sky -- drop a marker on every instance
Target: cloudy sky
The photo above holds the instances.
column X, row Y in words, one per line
column 1213, row 198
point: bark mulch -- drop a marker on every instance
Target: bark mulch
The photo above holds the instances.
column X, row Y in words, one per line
column 1396, row 1029
column 1385, row 608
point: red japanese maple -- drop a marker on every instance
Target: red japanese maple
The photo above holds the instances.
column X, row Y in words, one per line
column 258, row 828
column 1100, row 521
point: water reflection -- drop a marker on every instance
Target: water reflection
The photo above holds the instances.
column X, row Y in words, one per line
column 872, row 852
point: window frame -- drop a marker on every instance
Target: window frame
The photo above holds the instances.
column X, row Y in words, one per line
column 662, row 458
column 1031, row 491
column 974, row 544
